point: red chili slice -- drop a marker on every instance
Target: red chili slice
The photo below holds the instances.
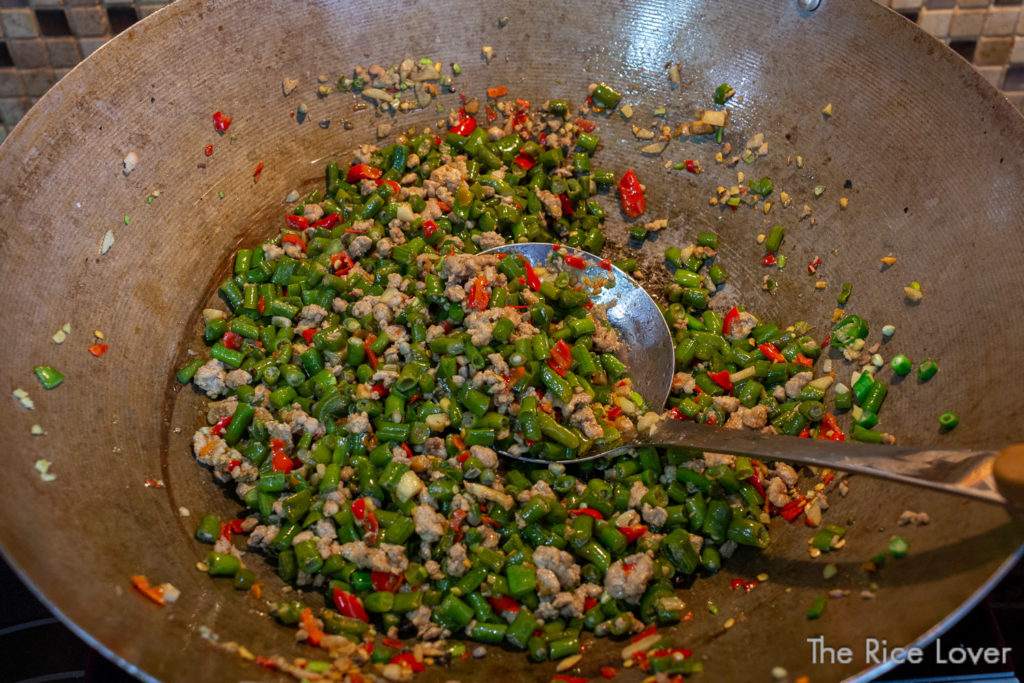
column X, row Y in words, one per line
column 296, row 222
column 221, row 122
column 631, row 195
column 328, row 221
column 363, row 171
column 732, row 316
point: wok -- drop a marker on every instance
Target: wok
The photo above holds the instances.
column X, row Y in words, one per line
column 930, row 154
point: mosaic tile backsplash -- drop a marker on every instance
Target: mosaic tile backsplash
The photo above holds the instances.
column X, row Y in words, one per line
column 41, row 40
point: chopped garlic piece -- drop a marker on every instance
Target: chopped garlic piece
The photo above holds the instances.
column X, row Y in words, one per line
column 107, row 243
column 43, row 467
column 24, row 399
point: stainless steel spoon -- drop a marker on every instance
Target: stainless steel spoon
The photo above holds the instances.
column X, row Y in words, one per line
column 995, row 476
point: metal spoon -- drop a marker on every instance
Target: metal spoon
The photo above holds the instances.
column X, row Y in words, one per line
column 995, row 476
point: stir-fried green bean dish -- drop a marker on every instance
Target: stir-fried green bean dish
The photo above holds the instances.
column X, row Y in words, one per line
column 372, row 361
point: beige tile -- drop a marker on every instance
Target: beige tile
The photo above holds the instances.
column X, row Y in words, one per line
column 37, row 81
column 19, row 23
column 1001, row 21
column 63, row 52
column 27, row 53
column 935, row 21
column 972, row 4
column 1017, row 53
column 89, row 45
column 907, row 4
column 993, row 51
column 12, row 109
column 993, row 74
column 87, row 21
column 10, row 83
column 967, row 23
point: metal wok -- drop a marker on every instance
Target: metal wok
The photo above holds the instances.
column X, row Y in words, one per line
column 930, row 154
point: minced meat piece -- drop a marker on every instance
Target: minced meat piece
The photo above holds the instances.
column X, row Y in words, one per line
column 606, row 339
column 796, row 383
column 488, row 240
column 547, row 581
column 272, row 252
column 385, row 558
column 311, row 316
column 559, row 562
column 485, row 455
column 629, row 585
column 915, row 518
column 430, row 525
column 359, row 246
column 742, row 326
column 636, row 493
column 457, row 562
column 237, row 378
column 585, row 420
column 358, row 423
column 210, row 378
column 653, row 515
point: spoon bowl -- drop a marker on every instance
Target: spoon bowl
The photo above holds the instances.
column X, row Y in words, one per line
column 646, row 347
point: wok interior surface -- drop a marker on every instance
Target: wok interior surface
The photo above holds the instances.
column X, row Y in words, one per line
column 932, row 162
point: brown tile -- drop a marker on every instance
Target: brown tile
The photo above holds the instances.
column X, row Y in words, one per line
column 940, row 4
column 1001, row 21
column 993, row 51
column 11, row 4
column 87, row 21
column 5, row 55
column 993, row 74
column 27, row 54
column 3, row 133
column 972, row 4
column 10, row 83
column 1017, row 54
column 19, row 23
column 967, row 23
column 1006, row 2
column 81, row 3
column 63, row 52
column 935, row 22
column 12, row 109
column 89, row 45
column 37, row 81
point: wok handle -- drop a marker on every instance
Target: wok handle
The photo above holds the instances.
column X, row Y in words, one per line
column 1008, row 471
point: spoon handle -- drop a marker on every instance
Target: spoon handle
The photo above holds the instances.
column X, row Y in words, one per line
column 964, row 472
